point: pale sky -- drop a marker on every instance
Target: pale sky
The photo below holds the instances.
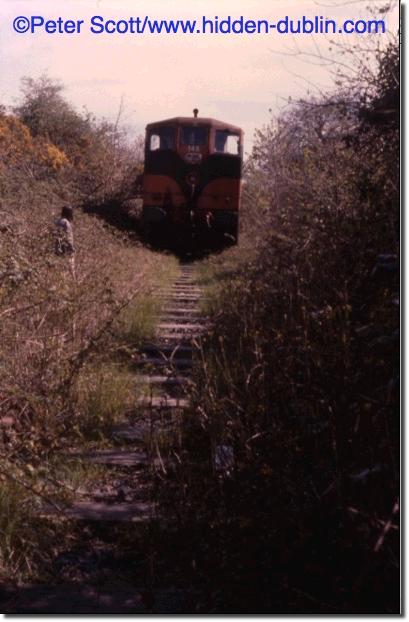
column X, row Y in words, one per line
column 235, row 78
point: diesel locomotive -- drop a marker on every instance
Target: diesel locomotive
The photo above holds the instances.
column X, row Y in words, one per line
column 191, row 181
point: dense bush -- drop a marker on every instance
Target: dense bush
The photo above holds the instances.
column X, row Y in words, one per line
column 301, row 374
column 94, row 157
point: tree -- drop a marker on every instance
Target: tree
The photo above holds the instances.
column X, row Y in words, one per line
column 45, row 111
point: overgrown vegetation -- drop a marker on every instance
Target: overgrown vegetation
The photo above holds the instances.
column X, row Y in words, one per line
column 290, row 457
column 67, row 326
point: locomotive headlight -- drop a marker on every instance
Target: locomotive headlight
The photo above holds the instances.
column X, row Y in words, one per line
column 192, row 179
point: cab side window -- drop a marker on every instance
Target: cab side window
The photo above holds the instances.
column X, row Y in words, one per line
column 162, row 138
column 227, row 142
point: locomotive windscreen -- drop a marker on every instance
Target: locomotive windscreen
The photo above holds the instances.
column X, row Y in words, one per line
column 194, row 136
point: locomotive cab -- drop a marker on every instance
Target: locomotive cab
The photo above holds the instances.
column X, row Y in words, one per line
column 191, row 181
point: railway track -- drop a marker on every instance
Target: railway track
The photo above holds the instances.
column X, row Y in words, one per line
column 94, row 576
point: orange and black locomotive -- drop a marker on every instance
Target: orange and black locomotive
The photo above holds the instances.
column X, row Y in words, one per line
column 191, row 181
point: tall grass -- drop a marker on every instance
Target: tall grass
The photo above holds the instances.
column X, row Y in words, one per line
column 103, row 395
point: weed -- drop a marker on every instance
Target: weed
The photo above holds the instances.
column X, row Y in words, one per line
column 103, row 395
